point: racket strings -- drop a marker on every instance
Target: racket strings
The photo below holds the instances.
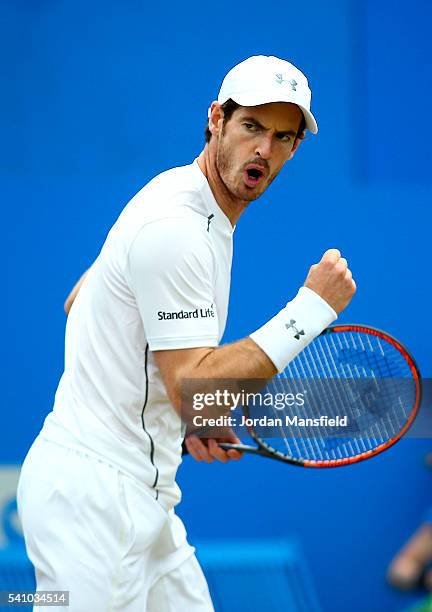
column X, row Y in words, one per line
column 356, row 375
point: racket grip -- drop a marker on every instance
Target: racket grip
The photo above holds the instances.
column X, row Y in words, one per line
column 229, row 446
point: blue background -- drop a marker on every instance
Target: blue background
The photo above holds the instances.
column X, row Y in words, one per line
column 99, row 97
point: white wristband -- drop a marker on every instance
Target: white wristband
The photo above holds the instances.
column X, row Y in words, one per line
column 293, row 328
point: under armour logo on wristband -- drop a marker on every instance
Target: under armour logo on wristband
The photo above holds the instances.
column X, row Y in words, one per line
column 298, row 332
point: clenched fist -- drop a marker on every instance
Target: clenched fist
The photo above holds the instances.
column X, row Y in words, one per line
column 332, row 280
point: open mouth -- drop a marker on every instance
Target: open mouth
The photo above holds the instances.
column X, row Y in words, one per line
column 253, row 175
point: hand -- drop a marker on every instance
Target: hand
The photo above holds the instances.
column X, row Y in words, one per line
column 332, row 280
column 207, row 449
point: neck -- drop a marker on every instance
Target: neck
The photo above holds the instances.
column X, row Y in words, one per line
column 229, row 204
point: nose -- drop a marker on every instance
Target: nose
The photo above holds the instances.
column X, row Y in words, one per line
column 264, row 146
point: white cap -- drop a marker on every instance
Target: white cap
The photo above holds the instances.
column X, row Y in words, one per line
column 261, row 79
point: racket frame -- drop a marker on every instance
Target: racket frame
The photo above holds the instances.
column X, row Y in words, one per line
column 265, row 450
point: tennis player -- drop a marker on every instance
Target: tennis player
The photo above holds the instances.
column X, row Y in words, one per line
column 97, row 490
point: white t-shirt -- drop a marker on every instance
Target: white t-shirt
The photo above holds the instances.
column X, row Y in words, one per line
column 161, row 281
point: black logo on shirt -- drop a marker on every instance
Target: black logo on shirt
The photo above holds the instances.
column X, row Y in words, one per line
column 198, row 313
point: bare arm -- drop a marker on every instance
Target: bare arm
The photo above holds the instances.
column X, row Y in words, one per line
column 244, row 359
column 72, row 295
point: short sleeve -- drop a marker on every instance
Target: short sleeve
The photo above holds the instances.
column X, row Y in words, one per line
column 171, row 270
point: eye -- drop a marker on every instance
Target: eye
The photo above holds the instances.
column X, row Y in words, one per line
column 250, row 126
column 284, row 137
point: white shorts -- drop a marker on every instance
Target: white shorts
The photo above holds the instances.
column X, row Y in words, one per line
column 99, row 534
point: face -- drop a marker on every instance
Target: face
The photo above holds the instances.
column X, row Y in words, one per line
column 254, row 144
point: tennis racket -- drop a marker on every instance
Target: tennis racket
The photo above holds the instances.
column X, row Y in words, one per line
column 355, row 373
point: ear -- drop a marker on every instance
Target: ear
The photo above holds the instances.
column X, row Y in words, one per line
column 215, row 118
column 296, row 145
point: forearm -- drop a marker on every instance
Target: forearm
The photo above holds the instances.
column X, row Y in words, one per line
column 198, row 369
column 270, row 348
column 241, row 359
column 238, row 367
column 254, row 359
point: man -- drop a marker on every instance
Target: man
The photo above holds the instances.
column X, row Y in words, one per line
column 98, row 488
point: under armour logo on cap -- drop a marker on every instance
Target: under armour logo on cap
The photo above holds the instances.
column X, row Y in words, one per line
column 298, row 332
column 292, row 82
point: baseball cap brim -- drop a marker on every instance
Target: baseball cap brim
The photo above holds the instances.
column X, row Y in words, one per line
column 251, row 99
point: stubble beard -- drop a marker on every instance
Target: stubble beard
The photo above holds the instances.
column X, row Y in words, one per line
column 225, row 168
